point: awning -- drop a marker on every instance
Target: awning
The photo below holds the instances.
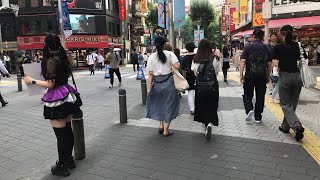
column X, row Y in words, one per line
column 295, row 22
column 244, row 33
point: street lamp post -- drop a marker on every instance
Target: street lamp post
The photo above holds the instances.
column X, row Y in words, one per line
column 198, row 27
column 151, row 28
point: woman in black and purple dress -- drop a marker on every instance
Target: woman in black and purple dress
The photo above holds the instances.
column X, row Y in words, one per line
column 59, row 101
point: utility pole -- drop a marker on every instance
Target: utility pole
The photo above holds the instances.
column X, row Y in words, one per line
column 61, row 26
column 171, row 30
column 1, row 47
column 266, row 13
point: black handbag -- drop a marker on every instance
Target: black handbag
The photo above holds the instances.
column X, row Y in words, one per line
column 78, row 112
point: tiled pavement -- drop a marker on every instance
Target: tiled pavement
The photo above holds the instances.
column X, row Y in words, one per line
column 28, row 149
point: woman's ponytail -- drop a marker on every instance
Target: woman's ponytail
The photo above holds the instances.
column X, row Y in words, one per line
column 160, row 41
column 288, row 38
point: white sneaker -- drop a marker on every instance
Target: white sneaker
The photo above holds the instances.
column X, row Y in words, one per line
column 249, row 116
column 208, row 131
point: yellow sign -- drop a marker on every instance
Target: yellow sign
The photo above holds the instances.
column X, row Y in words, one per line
column 235, row 17
column 232, row 1
column 143, row 6
column 243, row 6
column 258, row 20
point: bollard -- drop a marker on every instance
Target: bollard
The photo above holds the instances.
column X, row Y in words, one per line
column 144, row 91
column 78, row 133
column 19, row 81
column 123, row 106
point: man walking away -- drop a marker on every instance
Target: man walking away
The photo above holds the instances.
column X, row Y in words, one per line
column 90, row 61
column 114, row 60
column 134, row 60
column 145, row 59
column 256, row 58
column 100, row 61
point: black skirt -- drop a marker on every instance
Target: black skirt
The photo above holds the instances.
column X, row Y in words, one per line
column 60, row 112
column 226, row 65
column 206, row 109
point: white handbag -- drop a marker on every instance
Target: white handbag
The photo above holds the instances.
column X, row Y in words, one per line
column 180, row 82
column 308, row 77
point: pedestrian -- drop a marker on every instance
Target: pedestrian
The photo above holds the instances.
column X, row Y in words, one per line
column 7, row 61
column 275, row 82
column 91, row 58
column 60, row 101
column 168, row 47
column 318, row 53
column 189, row 74
column 286, row 56
column 100, row 61
column 141, row 59
column 134, row 60
column 5, row 73
column 226, row 62
column 216, row 55
column 145, row 59
column 273, row 42
column 256, row 58
column 163, row 100
column 114, row 61
column 237, row 55
column 206, row 89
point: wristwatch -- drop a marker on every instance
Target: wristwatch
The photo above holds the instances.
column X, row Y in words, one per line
column 34, row 82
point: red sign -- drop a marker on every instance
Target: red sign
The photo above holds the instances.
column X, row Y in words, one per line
column 232, row 25
column 223, row 21
column 74, row 41
column 122, row 10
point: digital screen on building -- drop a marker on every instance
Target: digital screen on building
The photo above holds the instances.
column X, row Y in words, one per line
column 83, row 24
column 85, row 4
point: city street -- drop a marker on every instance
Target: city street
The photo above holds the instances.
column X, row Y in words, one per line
column 135, row 150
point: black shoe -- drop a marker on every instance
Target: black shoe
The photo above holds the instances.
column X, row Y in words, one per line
column 192, row 113
column 71, row 164
column 60, row 169
column 282, row 130
column 299, row 133
column 5, row 103
column 225, row 80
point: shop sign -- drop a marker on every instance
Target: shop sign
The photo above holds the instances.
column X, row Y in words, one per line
column 286, row 2
column 258, row 20
column 122, row 10
column 232, row 1
column 223, row 21
column 115, row 40
column 243, row 6
column 267, row 10
column 143, row 6
column 235, row 16
column 29, row 43
column 232, row 26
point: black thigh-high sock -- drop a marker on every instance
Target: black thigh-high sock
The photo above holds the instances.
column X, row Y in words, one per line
column 70, row 139
column 61, row 134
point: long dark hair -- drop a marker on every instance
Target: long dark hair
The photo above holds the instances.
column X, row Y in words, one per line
column 53, row 43
column 176, row 51
column 159, row 42
column 204, row 51
column 225, row 52
column 287, row 30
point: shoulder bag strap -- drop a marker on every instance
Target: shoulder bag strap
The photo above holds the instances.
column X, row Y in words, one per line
column 73, row 81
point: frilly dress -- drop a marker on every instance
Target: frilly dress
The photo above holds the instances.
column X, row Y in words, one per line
column 59, row 100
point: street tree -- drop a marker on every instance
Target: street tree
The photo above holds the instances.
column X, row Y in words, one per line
column 202, row 12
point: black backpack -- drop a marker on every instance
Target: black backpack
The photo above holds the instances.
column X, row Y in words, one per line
column 207, row 83
column 258, row 62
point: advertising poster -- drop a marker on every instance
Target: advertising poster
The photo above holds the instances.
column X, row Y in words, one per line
column 46, row 2
column 198, row 38
column 243, row 6
column 231, row 18
column 82, row 24
column 85, row 4
column 235, row 17
column 66, row 19
column 179, row 13
column 162, row 12
column 143, row 6
column 223, row 21
column 123, row 10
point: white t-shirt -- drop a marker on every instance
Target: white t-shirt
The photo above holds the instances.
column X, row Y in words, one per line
column 216, row 52
column 6, row 58
column 91, row 58
column 155, row 65
column 100, row 58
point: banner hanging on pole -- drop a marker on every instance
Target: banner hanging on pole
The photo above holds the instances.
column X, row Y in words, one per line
column 122, row 10
column 66, row 19
column 243, row 6
column 162, row 13
column 179, row 18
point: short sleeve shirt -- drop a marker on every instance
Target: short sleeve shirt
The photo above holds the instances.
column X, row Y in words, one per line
column 255, row 46
column 155, row 65
column 114, row 62
column 288, row 57
column 91, row 58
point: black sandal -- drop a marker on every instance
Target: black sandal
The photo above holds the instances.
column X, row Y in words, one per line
column 161, row 130
column 169, row 134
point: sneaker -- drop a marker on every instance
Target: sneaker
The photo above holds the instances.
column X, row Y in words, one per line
column 299, row 133
column 110, row 87
column 249, row 116
column 276, row 101
column 208, row 131
column 119, row 85
column 192, row 113
column 257, row 121
column 60, row 169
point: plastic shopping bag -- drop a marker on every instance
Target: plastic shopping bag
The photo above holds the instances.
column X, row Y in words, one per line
column 308, row 77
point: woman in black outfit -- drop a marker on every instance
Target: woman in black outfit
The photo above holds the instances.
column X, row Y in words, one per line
column 189, row 74
column 59, row 101
column 226, row 62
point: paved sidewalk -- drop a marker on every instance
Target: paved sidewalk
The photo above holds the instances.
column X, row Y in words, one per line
column 136, row 151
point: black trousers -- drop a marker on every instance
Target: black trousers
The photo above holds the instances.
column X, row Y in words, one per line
column 99, row 65
column 134, row 66
column 117, row 71
column 1, row 99
column 91, row 69
column 259, row 86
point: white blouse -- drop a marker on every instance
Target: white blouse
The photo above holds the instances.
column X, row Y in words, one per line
column 155, row 65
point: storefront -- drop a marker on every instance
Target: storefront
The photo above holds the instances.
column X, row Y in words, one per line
column 77, row 45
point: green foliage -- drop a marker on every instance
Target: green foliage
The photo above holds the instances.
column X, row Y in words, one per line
column 187, row 31
column 202, row 12
column 152, row 16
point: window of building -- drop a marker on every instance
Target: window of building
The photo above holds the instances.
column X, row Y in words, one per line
column 22, row 3
column 25, row 28
column 49, row 27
